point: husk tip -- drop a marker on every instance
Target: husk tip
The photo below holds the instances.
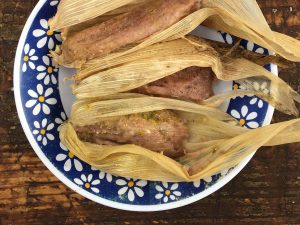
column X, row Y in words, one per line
column 56, row 56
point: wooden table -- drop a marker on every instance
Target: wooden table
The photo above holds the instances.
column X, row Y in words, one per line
column 267, row 191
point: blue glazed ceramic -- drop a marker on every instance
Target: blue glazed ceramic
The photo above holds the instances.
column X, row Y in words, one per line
column 39, row 100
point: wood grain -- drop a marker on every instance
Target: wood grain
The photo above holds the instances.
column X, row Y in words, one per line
column 267, row 191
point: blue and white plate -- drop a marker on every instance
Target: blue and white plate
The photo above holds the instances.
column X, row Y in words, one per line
column 43, row 101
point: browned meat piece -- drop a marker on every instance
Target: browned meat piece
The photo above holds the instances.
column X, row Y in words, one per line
column 161, row 131
column 131, row 27
column 193, row 84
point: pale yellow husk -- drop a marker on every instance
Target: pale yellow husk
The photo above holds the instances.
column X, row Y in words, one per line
column 214, row 145
column 241, row 18
column 244, row 19
column 70, row 30
column 73, row 12
column 96, row 109
column 216, row 142
column 164, row 59
column 180, row 47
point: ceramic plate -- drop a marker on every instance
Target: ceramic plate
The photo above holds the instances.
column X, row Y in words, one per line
column 43, row 101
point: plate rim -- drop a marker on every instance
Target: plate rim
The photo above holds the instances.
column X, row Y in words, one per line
column 122, row 206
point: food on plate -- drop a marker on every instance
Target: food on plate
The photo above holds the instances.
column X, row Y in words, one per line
column 210, row 139
column 192, row 84
column 164, row 59
column 145, row 103
column 124, row 29
column 165, row 127
column 173, row 20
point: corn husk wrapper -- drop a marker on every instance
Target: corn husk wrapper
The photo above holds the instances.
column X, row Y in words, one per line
column 164, row 59
column 214, row 145
column 189, row 44
column 167, row 34
column 241, row 18
column 73, row 12
column 238, row 51
column 70, row 30
column 119, row 105
column 244, row 19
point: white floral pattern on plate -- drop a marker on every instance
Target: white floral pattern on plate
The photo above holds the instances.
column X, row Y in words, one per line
column 229, row 39
column 237, row 87
column 250, row 46
column 40, row 100
column 46, row 35
column 167, row 191
column 131, row 187
column 263, row 87
column 245, row 118
column 198, row 182
column 47, row 71
column 60, row 120
column 26, row 82
column 88, row 183
column 54, row 2
column 28, row 58
column 208, row 180
column 257, row 101
column 103, row 175
column 42, row 131
column 69, row 159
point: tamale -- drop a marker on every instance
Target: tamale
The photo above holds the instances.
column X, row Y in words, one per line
column 119, row 48
column 214, row 143
column 132, row 27
column 164, row 59
column 230, row 16
column 165, row 127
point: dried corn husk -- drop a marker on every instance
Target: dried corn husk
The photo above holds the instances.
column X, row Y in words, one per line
column 73, row 12
column 230, row 151
column 167, row 58
column 215, row 144
column 245, row 20
column 124, row 106
column 70, row 30
column 72, row 61
column 181, row 47
column 237, row 51
column 155, row 38
column 164, row 49
column 241, row 18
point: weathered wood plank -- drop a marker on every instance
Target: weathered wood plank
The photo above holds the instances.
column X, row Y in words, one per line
column 267, row 191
